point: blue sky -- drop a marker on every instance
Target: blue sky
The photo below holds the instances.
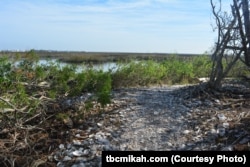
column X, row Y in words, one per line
column 163, row 26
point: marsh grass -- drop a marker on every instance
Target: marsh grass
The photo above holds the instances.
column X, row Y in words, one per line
column 15, row 80
column 174, row 70
column 138, row 73
column 19, row 82
column 31, row 95
column 79, row 57
column 185, row 71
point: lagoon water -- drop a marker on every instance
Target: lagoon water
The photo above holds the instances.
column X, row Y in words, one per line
column 105, row 67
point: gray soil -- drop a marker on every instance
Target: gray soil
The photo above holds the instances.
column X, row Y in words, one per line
column 159, row 119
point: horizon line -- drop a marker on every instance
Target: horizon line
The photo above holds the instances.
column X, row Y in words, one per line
column 112, row 52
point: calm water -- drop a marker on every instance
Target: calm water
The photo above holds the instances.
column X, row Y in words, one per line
column 103, row 66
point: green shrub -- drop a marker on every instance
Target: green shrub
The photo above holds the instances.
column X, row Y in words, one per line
column 140, row 73
column 103, row 88
column 202, row 66
column 40, row 73
column 99, row 82
column 5, row 68
column 178, row 71
column 19, row 82
column 60, row 76
column 186, row 70
column 77, row 84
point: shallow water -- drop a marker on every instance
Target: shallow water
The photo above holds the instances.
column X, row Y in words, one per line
column 107, row 66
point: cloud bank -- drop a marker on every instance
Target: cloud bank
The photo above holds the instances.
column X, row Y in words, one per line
column 107, row 25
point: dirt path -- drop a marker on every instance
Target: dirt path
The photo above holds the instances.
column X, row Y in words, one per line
column 158, row 118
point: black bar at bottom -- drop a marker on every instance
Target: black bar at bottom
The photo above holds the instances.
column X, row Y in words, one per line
column 175, row 158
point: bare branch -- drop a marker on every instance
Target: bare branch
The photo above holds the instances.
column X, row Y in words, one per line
column 232, row 39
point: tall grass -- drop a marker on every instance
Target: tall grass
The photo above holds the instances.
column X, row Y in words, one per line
column 184, row 71
column 139, row 73
column 174, row 70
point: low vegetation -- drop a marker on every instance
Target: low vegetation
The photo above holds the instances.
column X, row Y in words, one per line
column 93, row 57
column 33, row 109
column 19, row 81
column 174, row 70
column 31, row 94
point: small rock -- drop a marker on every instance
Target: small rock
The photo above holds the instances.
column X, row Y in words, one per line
column 60, row 164
column 190, row 144
column 228, row 148
column 69, row 146
column 68, row 122
column 68, row 102
column 225, row 125
column 103, row 141
column 169, row 144
column 221, row 131
column 61, row 146
column 196, row 149
column 77, row 153
column 186, row 132
column 67, row 158
column 44, row 84
column 107, row 148
column 85, row 152
column 57, row 157
column 217, row 101
column 182, row 147
column 91, row 135
column 77, row 143
column 79, row 165
column 82, row 159
column 213, row 131
column 156, row 113
column 50, row 158
column 99, row 124
column 222, row 117
column 122, row 115
column 81, row 149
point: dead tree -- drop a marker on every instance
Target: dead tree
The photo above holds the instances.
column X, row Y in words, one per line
column 233, row 39
column 246, row 16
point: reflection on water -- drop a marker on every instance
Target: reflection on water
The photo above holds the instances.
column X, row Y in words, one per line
column 107, row 66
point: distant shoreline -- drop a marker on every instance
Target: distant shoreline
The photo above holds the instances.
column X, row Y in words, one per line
column 95, row 57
